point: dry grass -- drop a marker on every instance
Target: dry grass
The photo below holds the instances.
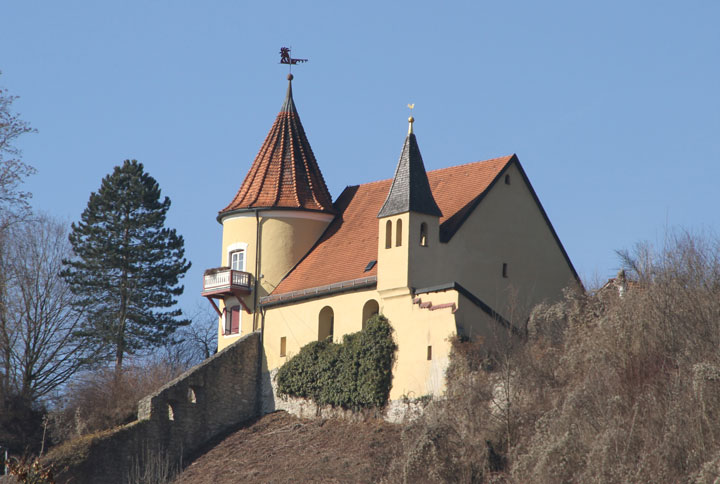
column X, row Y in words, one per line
column 103, row 400
column 606, row 389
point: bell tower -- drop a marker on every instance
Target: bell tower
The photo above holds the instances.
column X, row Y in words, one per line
column 408, row 232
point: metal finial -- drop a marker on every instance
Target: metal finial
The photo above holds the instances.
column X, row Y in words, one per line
column 411, row 120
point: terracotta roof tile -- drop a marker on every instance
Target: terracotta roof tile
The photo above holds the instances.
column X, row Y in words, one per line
column 351, row 240
column 285, row 173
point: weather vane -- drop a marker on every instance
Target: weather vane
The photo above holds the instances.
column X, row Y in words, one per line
column 286, row 59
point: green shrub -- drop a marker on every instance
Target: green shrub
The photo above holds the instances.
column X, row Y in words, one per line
column 356, row 373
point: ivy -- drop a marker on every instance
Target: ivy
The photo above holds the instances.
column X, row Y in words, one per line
column 354, row 374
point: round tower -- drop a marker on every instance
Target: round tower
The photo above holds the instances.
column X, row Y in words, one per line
column 277, row 215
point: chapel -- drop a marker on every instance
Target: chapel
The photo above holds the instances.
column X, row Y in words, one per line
column 466, row 250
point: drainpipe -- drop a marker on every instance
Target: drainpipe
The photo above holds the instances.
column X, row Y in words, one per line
column 257, row 267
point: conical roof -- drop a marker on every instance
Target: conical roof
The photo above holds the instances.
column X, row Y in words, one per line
column 285, row 173
column 410, row 190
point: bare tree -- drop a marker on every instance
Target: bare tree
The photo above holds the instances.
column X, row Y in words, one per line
column 193, row 343
column 13, row 200
column 40, row 351
column 13, row 207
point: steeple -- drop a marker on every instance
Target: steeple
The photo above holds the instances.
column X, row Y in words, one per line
column 410, row 189
column 285, row 173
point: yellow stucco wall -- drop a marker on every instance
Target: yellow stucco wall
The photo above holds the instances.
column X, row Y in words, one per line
column 506, row 227
column 286, row 236
column 417, row 328
column 414, row 330
column 298, row 322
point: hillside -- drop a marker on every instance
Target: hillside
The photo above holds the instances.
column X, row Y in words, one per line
column 280, row 448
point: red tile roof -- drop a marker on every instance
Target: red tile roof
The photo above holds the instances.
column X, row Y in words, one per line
column 285, row 173
column 351, row 240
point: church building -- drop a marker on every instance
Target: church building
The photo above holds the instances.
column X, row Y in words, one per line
column 466, row 250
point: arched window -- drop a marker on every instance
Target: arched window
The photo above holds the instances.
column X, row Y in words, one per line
column 171, row 413
column 398, row 233
column 423, row 234
column 192, row 398
column 388, row 234
column 370, row 309
column 326, row 322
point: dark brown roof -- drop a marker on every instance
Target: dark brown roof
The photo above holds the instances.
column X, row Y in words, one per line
column 285, row 173
column 410, row 190
column 351, row 240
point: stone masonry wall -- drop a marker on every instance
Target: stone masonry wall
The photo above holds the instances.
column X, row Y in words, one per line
column 205, row 402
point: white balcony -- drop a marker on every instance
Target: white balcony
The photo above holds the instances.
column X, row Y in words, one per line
column 224, row 281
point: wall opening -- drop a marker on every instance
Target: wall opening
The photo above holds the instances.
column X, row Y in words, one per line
column 192, row 398
column 398, row 233
column 429, row 353
column 388, row 234
column 283, row 346
column 370, row 309
column 507, row 179
column 171, row 413
column 423, row 234
column 326, row 322
column 504, row 269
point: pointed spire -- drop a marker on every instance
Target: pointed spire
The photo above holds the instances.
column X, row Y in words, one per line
column 410, row 190
column 285, row 173
column 289, row 105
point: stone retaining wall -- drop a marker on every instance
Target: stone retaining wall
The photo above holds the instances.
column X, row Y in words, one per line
column 205, row 402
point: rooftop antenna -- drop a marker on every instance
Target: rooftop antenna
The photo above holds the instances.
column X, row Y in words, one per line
column 286, row 59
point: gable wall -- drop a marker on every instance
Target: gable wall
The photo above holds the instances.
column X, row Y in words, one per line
column 507, row 227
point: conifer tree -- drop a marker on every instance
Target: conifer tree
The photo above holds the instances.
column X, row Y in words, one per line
column 127, row 265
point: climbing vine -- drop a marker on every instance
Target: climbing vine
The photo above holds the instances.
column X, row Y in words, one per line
column 354, row 374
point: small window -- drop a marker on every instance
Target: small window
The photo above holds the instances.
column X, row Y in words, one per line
column 171, row 414
column 429, row 353
column 388, row 234
column 507, row 179
column 191, row 396
column 232, row 320
column 370, row 265
column 423, row 234
column 237, row 260
column 504, row 270
column 398, row 233
column 283, row 345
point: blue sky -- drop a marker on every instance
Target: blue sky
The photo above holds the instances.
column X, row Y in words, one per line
column 612, row 107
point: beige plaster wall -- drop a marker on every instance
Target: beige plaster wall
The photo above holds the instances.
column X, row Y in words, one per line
column 298, row 322
column 506, row 227
column 286, row 236
column 415, row 329
column 393, row 262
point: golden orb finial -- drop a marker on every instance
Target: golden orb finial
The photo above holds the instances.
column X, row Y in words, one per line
column 411, row 120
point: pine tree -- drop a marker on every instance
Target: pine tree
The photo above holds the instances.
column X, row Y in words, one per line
column 127, row 265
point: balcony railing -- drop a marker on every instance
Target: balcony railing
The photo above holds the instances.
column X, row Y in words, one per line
column 224, row 280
